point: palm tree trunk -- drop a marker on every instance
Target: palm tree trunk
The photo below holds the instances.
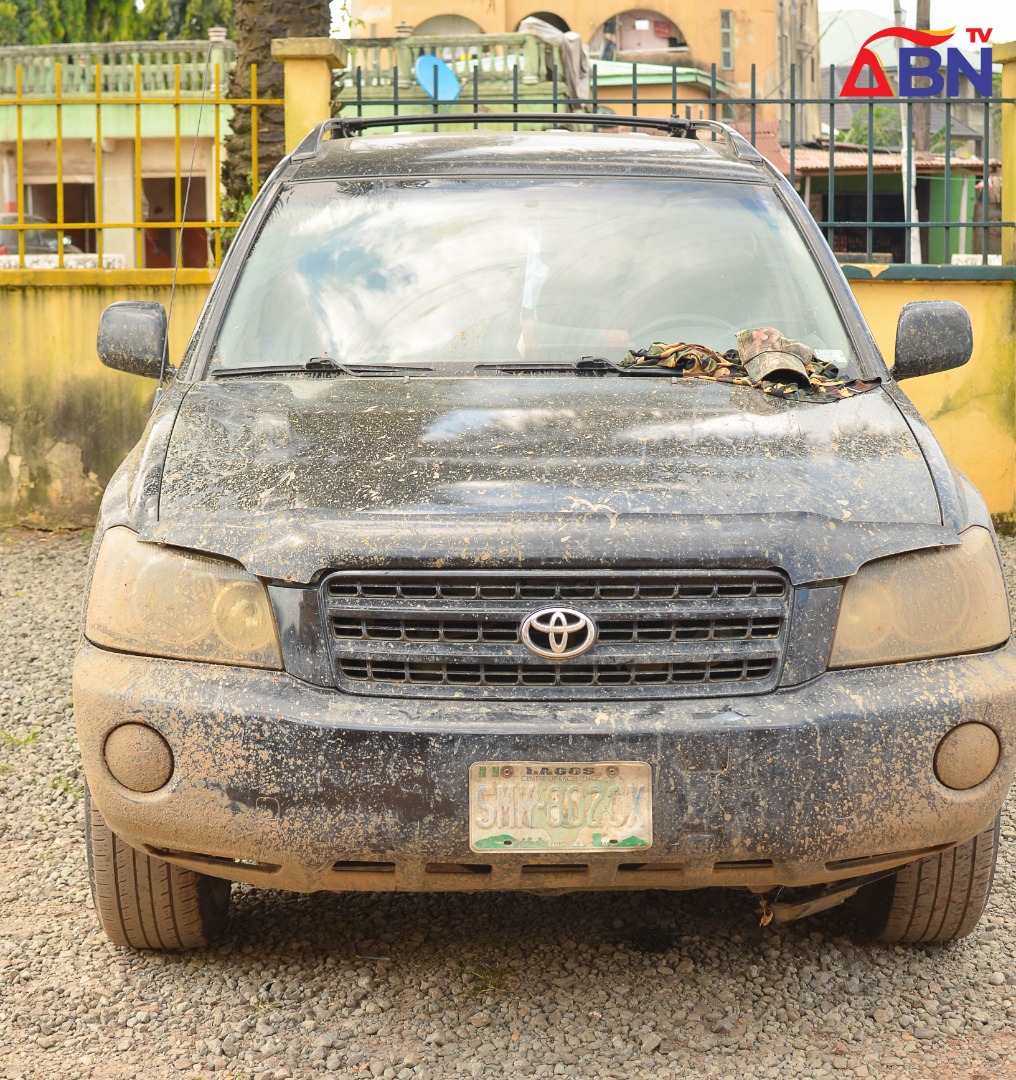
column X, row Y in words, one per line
column 257, row 23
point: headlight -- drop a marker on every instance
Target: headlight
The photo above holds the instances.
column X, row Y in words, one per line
column 928, row 603
column 164, row 602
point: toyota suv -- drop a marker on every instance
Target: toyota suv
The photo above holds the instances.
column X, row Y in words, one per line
column 533, row 510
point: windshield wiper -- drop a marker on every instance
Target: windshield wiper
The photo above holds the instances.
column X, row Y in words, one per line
column 589, row 366
column 327, row 365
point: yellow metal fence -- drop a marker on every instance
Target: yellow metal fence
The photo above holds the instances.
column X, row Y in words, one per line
column 45, row 123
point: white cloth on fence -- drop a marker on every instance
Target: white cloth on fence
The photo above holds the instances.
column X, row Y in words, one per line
column 574, row 54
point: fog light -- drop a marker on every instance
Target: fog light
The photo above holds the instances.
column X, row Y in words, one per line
column 138, row 757
column 966, row 756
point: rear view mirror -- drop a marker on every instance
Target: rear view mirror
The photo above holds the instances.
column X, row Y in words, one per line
column 134, row 337
column 932, row 335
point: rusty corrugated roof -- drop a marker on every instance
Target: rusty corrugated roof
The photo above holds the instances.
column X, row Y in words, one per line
column 816, row 160
column 851, row 158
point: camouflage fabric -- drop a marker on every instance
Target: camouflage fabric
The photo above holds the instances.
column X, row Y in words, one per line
column 767, row 354
column 778, row 360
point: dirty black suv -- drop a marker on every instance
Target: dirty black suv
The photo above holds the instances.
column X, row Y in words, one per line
column 533, row 510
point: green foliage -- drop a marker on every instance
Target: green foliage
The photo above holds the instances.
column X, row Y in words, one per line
column 25, row 22
column 110, row 20
column 938, row 141
column 486, row 979
column 886, row 127
column 235, row 209
column 169, row 20
column 46, row 22
column 8, row 738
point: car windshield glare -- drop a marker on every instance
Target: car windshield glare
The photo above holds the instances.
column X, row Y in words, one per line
column 432, row 271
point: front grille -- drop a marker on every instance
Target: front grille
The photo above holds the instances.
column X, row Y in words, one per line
column 574, row 674
column 659, row 634
column 626, row 630
column 555, row 588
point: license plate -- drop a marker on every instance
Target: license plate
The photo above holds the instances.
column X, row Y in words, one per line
column 560, row 805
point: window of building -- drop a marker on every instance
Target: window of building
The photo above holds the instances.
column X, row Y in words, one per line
column 636, row 30
column 727, row 40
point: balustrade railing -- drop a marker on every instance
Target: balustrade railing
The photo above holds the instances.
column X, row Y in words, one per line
column 118, row 65
column 495, row 58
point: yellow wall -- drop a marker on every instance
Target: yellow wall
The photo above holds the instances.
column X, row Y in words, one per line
column 689, row 93
column 971, row 409
column 66, row 421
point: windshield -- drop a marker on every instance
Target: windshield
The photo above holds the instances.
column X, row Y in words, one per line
column 434, row 271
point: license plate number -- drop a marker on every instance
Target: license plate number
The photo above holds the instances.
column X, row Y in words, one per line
column 560, row 805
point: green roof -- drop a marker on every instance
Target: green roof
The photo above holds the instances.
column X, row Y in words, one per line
column 619, row 73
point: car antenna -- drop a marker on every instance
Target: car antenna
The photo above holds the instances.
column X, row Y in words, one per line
column 183, row 220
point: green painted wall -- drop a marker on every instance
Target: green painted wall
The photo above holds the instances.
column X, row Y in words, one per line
column 117, row 121
column 962, row 199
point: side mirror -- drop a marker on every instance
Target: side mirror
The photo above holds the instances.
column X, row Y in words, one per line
column 134, row 337
column 932, row 335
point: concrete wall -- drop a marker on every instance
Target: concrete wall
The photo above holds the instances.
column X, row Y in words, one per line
column 66, row 421
column 972, row 410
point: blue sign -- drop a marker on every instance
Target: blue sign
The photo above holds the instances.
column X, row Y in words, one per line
column 435, row 75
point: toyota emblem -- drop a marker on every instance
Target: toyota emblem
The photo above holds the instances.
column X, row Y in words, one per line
column 558, row 633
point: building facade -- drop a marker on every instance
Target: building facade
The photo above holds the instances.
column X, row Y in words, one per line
column 105, row 137
column 778, row 39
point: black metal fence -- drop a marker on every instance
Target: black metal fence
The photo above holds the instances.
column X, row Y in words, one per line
column 856, row 191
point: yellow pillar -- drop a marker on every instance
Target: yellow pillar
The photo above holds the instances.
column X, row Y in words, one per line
column 307, row 67
column 118, row 198
column 1005, row 54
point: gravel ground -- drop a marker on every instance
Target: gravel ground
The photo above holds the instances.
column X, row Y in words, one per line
column 682, row 985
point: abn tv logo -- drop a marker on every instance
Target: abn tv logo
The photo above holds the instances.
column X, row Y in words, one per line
column 922, row 61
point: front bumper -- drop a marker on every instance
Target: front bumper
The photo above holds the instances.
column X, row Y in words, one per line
column 286, row 785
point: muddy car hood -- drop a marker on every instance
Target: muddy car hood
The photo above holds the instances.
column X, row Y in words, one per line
column 292, row 475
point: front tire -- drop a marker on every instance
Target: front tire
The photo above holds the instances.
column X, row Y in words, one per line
column 147, row 903
column 936, row 899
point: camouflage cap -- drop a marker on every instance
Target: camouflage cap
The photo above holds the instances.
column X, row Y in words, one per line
column 767, row 354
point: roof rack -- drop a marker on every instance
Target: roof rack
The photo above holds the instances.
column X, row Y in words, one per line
column 679, row 127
